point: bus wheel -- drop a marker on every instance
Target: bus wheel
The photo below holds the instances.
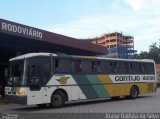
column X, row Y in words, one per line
column 134, row 92
column 58, row 99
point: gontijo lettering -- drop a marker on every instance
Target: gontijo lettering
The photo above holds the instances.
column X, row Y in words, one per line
column 134, row 78
column 127, row 78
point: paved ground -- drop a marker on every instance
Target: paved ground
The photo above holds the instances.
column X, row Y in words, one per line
column 144, row 104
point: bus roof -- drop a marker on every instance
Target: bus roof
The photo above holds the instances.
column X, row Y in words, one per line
column 28, row 55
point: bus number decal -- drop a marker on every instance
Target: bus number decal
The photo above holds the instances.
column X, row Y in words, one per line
column 149, row 78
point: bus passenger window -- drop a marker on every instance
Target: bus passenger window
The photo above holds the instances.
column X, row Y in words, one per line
column 99, row 66
column 111, row 67
column 86, row 66
column 142, row 68
column 63, row 65
column 131, row 67
column 93, row 66
column 73, row 66
column 115, row 67
column 126, row 67
column 151, row 68
column 78, row 66
column 56, row 65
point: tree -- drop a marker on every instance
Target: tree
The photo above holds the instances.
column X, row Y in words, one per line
column 154, row 53
column 143, row 55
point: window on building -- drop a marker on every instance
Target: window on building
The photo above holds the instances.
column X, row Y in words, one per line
column 101, row 43
column 113, row 40
column 107, row 41
column 112, row 46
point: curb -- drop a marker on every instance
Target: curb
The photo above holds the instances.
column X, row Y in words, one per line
column 3, row 102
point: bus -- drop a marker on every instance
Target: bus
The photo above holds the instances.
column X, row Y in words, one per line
column 52, row 79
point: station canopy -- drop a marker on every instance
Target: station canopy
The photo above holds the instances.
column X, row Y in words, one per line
column 17, row 39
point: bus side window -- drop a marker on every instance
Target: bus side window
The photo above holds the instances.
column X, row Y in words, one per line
column 115, row 67
column 151, row 68
column 136, row 68
column 99, row 67
column 73, row 66
column 93, row 66
column 39, row 70
column 104, row 65
column 121, row 67
column 78, row 66
column 142, row 68
column 34, row 74
column 131, row 68
column 56, row 65
column 111, row 67
column 126, row 67
column 64, row 66
column 86, row 66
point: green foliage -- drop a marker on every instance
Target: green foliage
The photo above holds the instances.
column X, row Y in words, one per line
column 153, row 53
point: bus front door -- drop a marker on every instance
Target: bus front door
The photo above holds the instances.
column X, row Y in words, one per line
column 35, row 95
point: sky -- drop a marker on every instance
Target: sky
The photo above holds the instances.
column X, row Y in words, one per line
column 89, row 18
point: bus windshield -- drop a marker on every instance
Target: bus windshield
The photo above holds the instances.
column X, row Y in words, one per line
column 16, row 73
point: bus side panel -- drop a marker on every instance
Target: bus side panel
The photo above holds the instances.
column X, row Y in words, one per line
column 68, row 84
column 94, row 86
column 91, row 86
column 148, row 87
column 124, row 89
column 77, row 93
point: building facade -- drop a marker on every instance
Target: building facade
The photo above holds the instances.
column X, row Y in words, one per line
column 117, row 44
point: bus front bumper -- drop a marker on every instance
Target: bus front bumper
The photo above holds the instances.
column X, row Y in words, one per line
column 16, row 99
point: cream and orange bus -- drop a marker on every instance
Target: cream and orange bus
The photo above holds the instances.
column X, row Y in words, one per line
column 46, row 78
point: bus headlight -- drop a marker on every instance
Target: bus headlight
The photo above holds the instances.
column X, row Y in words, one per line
column 22, row 93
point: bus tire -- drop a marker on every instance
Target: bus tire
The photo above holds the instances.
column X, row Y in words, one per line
column 134, row 91
column 58, row 99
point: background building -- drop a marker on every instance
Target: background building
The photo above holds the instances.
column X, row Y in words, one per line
column 117, row 44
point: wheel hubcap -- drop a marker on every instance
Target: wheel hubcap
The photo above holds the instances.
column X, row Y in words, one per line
column 134, row 92
column 57, row 99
